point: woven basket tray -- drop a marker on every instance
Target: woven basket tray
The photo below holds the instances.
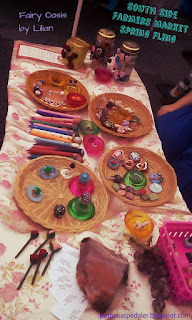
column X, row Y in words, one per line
column 46, row 75
column 155, row 164
column 56, row 191
column 136, row 106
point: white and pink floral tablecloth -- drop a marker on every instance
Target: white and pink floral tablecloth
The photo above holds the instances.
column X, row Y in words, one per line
column 35, row 302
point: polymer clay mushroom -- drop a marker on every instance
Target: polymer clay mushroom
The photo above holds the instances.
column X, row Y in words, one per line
column 34, row 193
column 48, row 172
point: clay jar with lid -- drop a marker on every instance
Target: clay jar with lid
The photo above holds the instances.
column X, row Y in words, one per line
column 125, row 61
column 139, row 226
column 103, row 48
column 74, row 52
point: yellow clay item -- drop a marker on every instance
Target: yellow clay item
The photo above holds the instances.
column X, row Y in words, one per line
column 56, row 79
column 133, row 218
column 80, row 47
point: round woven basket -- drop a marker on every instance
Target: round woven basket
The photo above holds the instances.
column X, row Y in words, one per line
column 155, row 164
column 51, row 77
column 136, row 106
column 56, row 191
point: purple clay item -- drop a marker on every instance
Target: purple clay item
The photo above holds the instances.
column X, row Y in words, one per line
column 81, row 184
column 103, row 75
column 94, row 145
column 156, row 178
column 125, row 123
column 129, row 189
column 59, row 210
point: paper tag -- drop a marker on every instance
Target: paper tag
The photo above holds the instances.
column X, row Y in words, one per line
column 32, row 52
column 71, row 300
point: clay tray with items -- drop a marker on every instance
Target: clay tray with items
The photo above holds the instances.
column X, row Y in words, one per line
column 138, row 176
column 120, row 115
column 56, row 90
column 54, row 190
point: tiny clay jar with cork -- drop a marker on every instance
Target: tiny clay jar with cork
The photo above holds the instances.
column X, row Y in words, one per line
column 125, row 61
column 103, row 48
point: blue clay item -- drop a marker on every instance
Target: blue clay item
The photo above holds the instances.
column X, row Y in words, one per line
column 84, row 177
column 119, row 65
column 156, row 178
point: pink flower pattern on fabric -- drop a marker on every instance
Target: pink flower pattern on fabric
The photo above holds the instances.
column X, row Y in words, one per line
column 2, row 249
column 9, row 292
column 17, row 215
column 16, row 136
column 17, row 277
column 26, row 73
column 4, row 157
column 6, row 184
column 21, row 160
column 15, row 116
